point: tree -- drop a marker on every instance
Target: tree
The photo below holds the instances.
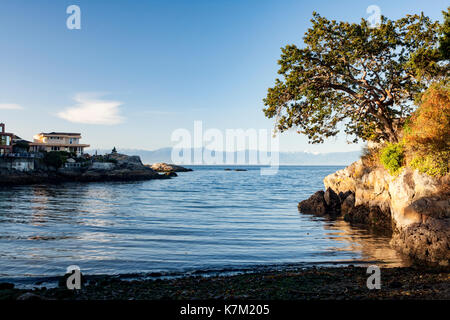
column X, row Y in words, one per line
column 353, row 75
column 55, row 159
column 444, row 47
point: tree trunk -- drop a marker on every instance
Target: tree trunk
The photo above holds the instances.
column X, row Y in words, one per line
column 389, row 131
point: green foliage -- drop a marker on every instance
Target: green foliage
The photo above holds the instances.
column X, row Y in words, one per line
column 351, row 74
column 392, row 157
column 431, row 164
column 444, row 47
column 55, row 158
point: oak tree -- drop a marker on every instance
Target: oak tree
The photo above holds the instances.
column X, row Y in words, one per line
column 356, row 76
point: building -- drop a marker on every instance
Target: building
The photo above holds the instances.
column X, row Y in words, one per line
column 6, row 144
column 58, row 141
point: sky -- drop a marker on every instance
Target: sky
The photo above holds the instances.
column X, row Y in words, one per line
column 137, row 71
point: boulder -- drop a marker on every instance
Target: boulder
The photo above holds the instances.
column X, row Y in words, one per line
column 165, row 167
column 372, row 216
column 333, row 202
column 314, row 205
column 425, row 241
column 348, row 204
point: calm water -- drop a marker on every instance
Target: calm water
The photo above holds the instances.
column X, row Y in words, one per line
column 206, row 219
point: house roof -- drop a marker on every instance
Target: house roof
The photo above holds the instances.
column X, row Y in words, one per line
column 61, row 134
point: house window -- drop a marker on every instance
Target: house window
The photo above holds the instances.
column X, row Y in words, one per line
column 5, row 140
column 55, row 148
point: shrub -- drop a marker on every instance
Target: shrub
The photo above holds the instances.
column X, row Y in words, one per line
column 55, row 159
column 392, row 157
column 427, row 132
column 370, row 156
column 432, row 164
column 428, row 129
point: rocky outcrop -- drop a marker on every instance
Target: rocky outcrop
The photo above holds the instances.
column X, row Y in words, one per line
column 321, row 203
column 314, row 205
column 120, row 168
column 414, row 206
column 165, row 167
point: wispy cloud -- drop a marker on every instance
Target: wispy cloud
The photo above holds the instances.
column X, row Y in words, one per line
column 10, row 106
column 91, row 109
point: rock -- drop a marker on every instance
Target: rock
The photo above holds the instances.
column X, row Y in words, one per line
column 29, row 297
column 102, row 166
column 171, row 174
column 348, row 204
column 344, row 195
column 425, row 241
column 164, row 167
column 314, row 205
column 6, row 286
column 370, row 216
column 415, row 206
column 333, row 203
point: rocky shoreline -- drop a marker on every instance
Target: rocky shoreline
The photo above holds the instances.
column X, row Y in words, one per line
column 119, row 168
column 336, row 283
column 413, row 206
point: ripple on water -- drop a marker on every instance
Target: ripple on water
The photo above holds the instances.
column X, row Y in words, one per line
column 205, row 219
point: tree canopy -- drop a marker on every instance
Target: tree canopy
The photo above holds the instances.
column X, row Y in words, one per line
column 353, row 75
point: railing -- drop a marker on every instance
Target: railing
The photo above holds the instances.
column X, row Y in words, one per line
column 22, row 155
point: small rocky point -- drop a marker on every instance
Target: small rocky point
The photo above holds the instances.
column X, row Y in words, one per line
column 165, row 167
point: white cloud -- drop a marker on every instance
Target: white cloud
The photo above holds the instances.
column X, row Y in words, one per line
column 10, row 106
column 91, row 109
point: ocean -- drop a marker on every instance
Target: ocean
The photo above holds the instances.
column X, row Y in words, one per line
column 209, row 219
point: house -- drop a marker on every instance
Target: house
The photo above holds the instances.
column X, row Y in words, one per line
column 6, row 144
column 58, row 141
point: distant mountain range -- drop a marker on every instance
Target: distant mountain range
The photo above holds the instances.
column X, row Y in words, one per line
column 285, row 158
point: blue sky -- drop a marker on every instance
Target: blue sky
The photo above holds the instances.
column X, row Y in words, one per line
column 141, row 69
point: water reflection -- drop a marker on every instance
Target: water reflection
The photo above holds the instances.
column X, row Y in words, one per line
column 372, row 246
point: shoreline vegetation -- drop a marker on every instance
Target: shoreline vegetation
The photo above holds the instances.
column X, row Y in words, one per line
column 312, row 283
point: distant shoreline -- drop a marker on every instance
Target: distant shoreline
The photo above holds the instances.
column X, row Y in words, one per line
column 259, row 165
